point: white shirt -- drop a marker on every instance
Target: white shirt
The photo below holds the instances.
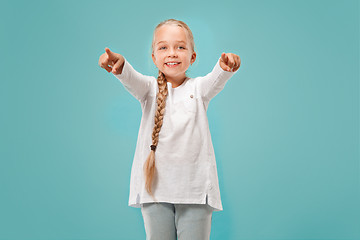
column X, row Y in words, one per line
column 185, row 163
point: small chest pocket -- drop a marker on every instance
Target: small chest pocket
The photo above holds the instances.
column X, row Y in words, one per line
column 190, row 103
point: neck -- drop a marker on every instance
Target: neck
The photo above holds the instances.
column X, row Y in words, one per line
column 175, row 82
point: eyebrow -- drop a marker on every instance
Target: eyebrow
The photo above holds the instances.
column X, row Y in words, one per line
column 166, row 41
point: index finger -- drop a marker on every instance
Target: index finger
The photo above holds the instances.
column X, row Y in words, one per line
column 109, row 53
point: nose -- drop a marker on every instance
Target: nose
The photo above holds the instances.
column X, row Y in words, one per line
column 172, row 52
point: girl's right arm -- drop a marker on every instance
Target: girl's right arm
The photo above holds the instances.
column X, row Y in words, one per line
column 137, row 84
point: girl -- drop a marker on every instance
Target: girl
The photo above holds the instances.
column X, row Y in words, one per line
column 175, row 181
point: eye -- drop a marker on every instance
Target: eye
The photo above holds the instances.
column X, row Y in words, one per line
column 183, row 47
column 161, row 48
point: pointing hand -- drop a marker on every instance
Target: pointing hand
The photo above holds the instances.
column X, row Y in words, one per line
column 230, row 62
column 111, row 62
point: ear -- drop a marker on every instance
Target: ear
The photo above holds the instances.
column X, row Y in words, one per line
column 153, row 58
column 193, row 57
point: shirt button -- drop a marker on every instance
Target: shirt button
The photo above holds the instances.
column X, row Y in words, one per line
column 191, row 96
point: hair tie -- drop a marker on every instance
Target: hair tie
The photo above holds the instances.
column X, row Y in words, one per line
column 153, row 147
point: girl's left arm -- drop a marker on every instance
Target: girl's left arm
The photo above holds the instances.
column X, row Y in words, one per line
column 211, row 84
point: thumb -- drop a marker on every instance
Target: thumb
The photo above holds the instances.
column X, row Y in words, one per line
column 224, row 58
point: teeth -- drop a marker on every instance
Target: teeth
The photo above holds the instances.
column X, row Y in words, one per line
column 172, row 63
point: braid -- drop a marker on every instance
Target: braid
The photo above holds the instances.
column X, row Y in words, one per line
column 149, row 165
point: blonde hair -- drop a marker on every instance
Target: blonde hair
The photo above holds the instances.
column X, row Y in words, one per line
column 149, row 165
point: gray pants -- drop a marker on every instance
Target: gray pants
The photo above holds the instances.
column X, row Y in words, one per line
column 167, row 221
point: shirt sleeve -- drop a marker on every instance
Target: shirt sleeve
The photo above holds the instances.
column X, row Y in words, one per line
column 211, row 84
column 134, row 82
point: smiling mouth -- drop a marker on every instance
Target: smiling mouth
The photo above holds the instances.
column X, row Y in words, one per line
column 172, row 64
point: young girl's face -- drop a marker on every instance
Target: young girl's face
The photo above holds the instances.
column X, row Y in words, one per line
column 172, row 45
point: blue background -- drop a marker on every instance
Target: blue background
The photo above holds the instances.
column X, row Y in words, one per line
column 285, row 128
